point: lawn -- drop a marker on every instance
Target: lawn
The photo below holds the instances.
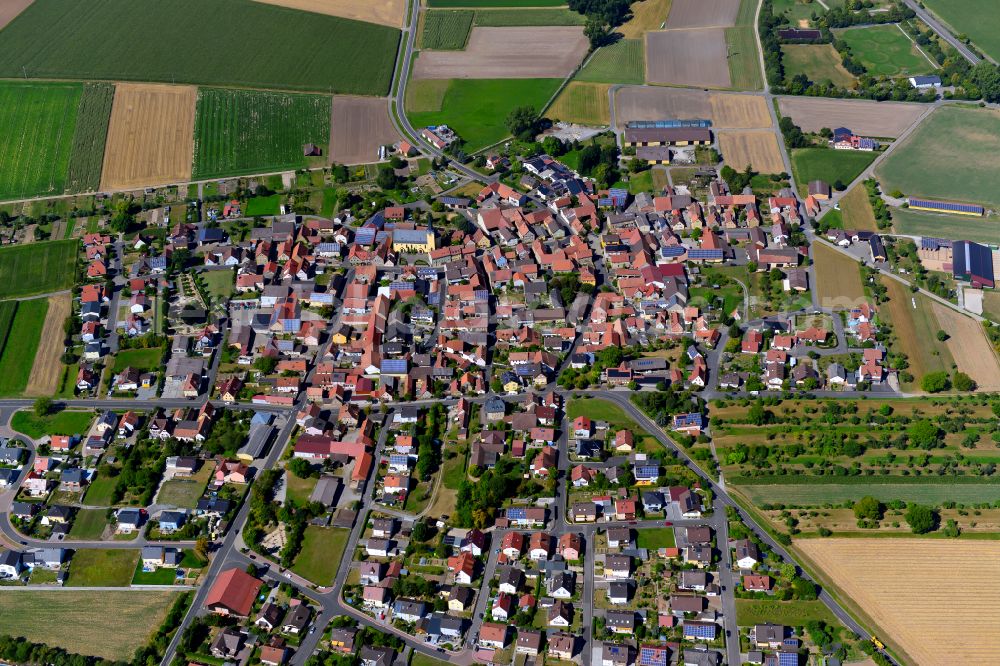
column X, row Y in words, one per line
column 100, row 490
column 616, row 418
column 622, row 62
column 819, row 62
column 976, row 18
column 954, row 155
column 89, row 524
column 744, row 59
column 64, row 422
column 322, row 549
column 857, row 210
column 641, row 182
column 794, row 613
column 931, row 491
column 185, row 492
column 161, row 576
column 219, row 284
column 269, row 205
column 886, row 50
column 656, row 537
column 200, row 41
column 140, row 359
column 248, row 131
column 956, row 227
column 446, row 29
column 299, row 490
column 21, row 345
column 36, row 268
column 87, row 154
column 102, row 567
column 80, row 621
column 829, row 165
column 584, row 103
column 421, row 659
column 478, row 108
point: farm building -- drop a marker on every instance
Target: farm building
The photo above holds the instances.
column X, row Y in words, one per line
column 946, row 207
column 311, row 150
column 922, row 82
column 845, row 139
column 653, row 154
column 656, row 124
column 668, row 136
column 877, row 248
column 819, row 189
column 973, row 263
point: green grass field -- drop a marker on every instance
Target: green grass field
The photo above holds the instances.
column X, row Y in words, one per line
column 886, row 50
column 7, row 311
column 219, row 283
column 794, row 613
column 200, row 41
column 298, row 489
column 819, row 62
column 270, row 205
column 89, row 524
column 322, row 548
column 36, row 137
column 420, row 659
column 744, row 59
column 655, row 537
column 84, row 622
column 916, row 223
column 495, row 3
column 477, row 108
column 622, row 62
column 37, row 268
column 100, row 490
column 19, row 350
column 161, row 576
column 446, row 29
column 102, row 568
column 797, row 10
column 87, row 154
column 931, row 491
column 976, row 18
column 185, row 492
column 140, row 359
column 246, row 131
column 501, row 18
column 953, row 155
column 829, row 165
column 65, row 422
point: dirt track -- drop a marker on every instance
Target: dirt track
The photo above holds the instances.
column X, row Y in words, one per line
column 46, row 372
column 757, row 148
column 695, row 58
column 150, row 137
column 969, row 347
column 384, row 12
column 358, row 126
column 9, row 9
column 703, row 13
column 884, row 119
column 508, row 53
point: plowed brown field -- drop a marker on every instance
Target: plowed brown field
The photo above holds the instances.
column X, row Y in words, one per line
column 689, row 57
column 9, row 9
column 703, row 13
column 358, row 126
column 887, row 119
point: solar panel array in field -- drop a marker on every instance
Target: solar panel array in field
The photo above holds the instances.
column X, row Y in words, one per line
column 946, row 206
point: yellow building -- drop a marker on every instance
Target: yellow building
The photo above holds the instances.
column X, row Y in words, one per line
column 414, row 240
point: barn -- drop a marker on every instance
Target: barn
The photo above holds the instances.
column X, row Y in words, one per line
column 973, row 263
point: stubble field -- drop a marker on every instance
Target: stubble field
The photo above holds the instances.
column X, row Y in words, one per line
column 881, row 577
column 969, row 347
column 739, row 111
column 838, row 278
column 150, row 136
column 687, row 57
column 646, row 15
column 585, row 103
column 915, row 330
column 857, row 210
column 383, row 12
column 45, row 372
column 702, row 13
column 358, row 126
column 758, row 149
column 880, row 119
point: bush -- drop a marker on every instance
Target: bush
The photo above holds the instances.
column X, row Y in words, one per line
column 935, row 382
column 921, row 519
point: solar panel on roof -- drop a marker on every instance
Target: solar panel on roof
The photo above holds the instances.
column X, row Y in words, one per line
column 663, row 124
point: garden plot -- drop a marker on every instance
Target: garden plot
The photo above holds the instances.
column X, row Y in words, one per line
column 358, row 126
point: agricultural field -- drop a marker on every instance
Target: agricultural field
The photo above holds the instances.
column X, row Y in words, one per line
column 702, row 13
column 794, row 613
column 94, row 567
column 829, row 165
column 383, row 12
column 262, row 206
column 18, row 354
column 915, row 331
column 64, row 422
column 202, row 42
column 758, row 149
column 960, row 227
column 493, row 53
column 46, row 370
column 87, row 154
column 686, row 57
column 878, row 119
column 322, row 550
column 358, row 126
column 248, row 131
column 37, row 268
column 36, row 137
column 819, row 62
column 877, row 576
column 621, row 62
column 499, row 18
column 10, row 9
column 744, row 58
column 838, row 278
column 991, row 305
column 446, row 29
column 495, row 3
column 725, row 110
column 584, row 103
column 969, row 347
column 738, row 111
column 965, row 144
column 79, row 621
column 885, row 50
column 646, row 15
column 931, row 492
column 857, row 210
column 976, row 18
column 477, row 108
column 149, row 137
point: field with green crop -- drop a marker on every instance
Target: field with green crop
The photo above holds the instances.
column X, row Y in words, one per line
column 886, row 50
column 978, row 19
column 953, row 155
column 819, row 62
column 248, row 131
column 37, row 268
column 7, row 311
column 829, row 165
column 477, row 108
column 21, row 345
column 932, row 492
column 744, row 59
column 957, row 227
column 446, row 29
column 36, row 137
column 622, row 62
column 87, row 154
column 495, row 3
column 500, row 18
column 199, row 41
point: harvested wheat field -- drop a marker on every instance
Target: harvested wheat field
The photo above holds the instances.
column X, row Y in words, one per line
column 646, row 103
column 150, row 136
column 384, row 12
column 969, row 347
column 960, row 598
column 9, row 9
column 358, row 126
column 857, row 210
column 882, row 119
column 646, row 15
column 703, row 13
column 758, row 149
column 584, row 103
column 695, row 58
column 739, row 111
column 508, row 53
column 837, row 278
column 46, row 372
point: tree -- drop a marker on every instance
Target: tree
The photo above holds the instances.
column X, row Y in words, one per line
column 387, row 178
column 868, row 508
column 923, row 434
column 43, row 406
column 597, row 31
column 201, row 548
column 935, row 382
column 804, row 589
column 266, row 364
column 522, row 121
column 921, row 519
column 963, row 382
column 553, row 146
column 942, row 336
column 300, row 467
